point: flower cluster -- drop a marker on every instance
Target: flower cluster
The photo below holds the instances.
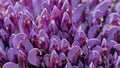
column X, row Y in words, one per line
column 59, row 34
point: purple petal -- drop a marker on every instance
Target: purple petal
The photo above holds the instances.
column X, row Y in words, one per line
column 112, row 43
column 117, row 47
column 75, row 66
column 55, row 60
column 117, row 64
column 68, row 65
column 66, row 8
column 94, row 57
column 103, row 6
column 105, row 46
column 11, row 40
column 46, row 59
column 95, row 17
column 17, row 56
column 9, row 24
column 113, row 19
column 3, row 56
column 92, row 65
column 25, row 45
column 52, row 28
column 33, row 57
column 75, row 43
column 92, row 3
column 93, row 42
column 18, row 38
column 115, row 56
column 10, row 65
column 36, row 4
column 44, row 18
column 73, row 54
column 117, row 7
column 2, row 44
column 64, row 45
column 74, row 4
column 80, row 36
column 80, row 64
column 3, row 34
column 73, row 30
column 77, row 13
column 112, row 33
column 54, row 44
column 25, row 22
column 62, row 56
column 43, row 39
column 33, row 36
column 98, row 49
column 56, row 13
column 94, row 29
column 85, row 51
column 65, row 23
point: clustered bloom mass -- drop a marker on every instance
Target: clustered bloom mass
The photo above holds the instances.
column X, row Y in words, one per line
column 59, row 33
